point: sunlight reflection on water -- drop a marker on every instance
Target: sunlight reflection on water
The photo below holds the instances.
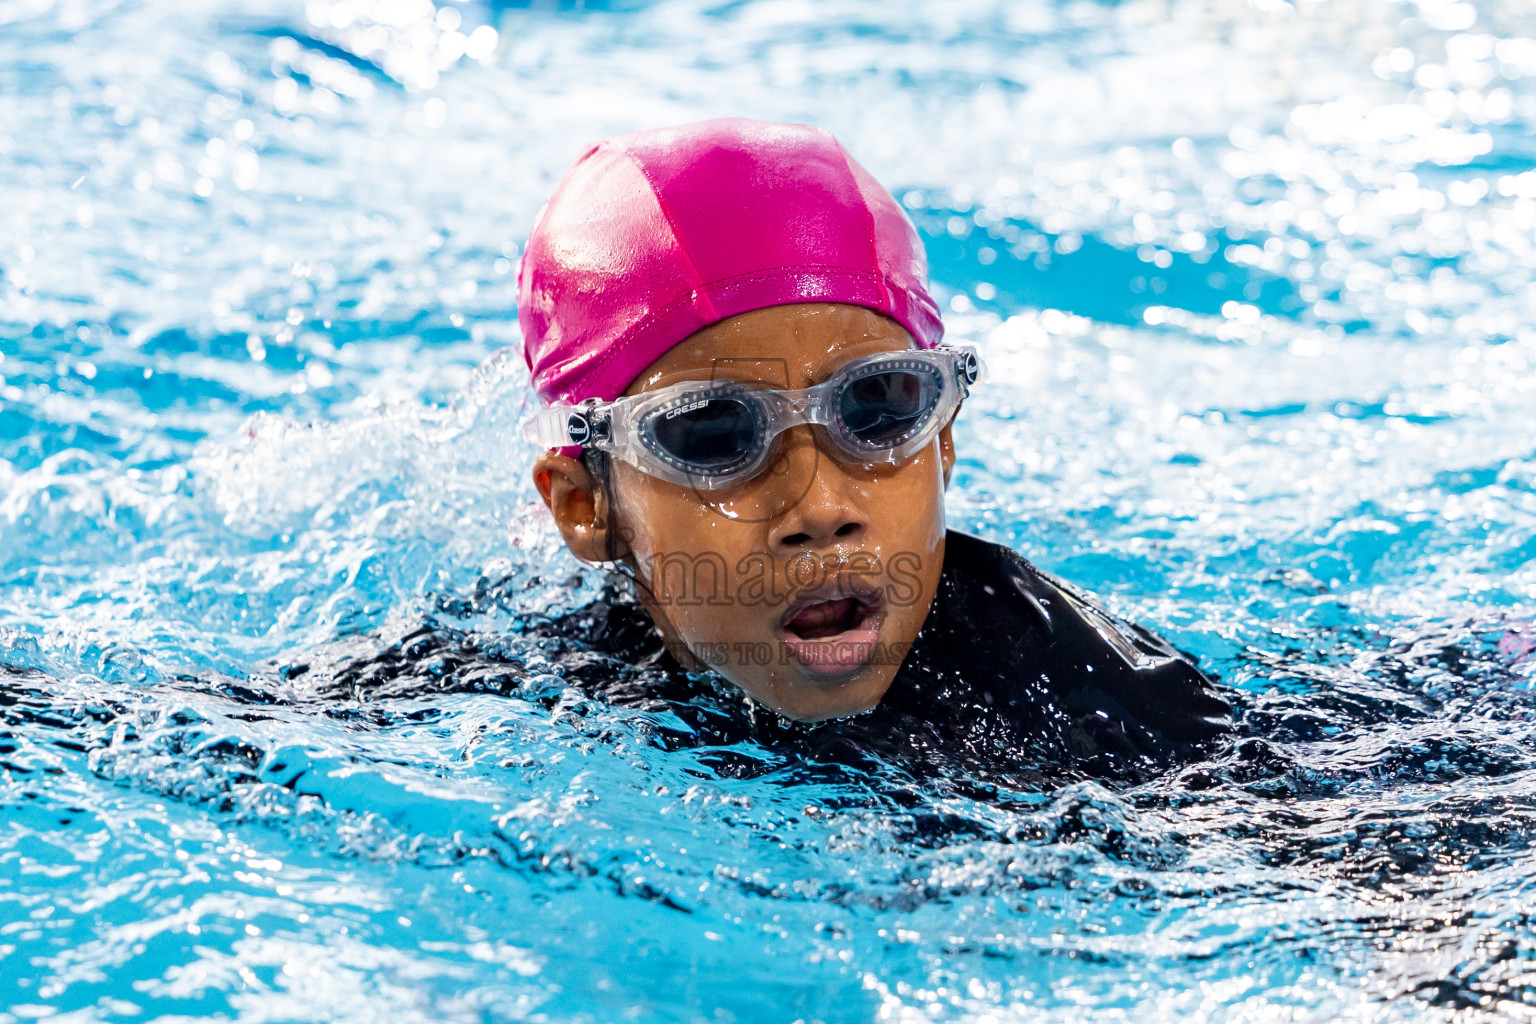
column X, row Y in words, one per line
column 1253, row 281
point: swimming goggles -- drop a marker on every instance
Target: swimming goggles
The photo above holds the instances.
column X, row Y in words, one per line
column 876, row 409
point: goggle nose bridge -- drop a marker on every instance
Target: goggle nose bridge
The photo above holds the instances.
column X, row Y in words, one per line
column 807, row 405
column 804, row 407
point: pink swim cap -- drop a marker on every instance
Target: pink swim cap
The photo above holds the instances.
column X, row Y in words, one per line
column 657, row 234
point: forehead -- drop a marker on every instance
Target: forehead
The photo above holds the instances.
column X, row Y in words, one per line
column 781, row 346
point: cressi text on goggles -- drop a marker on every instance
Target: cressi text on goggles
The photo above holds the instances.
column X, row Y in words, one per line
column 710, row 434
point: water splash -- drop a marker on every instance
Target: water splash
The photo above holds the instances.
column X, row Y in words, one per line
column 1252, row 283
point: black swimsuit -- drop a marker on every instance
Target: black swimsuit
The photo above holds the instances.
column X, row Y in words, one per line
column 1011, row 655
column 1012, row 672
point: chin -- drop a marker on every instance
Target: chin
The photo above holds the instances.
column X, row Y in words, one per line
column 816, row 699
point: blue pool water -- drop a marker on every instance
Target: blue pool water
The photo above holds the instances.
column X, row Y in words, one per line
column 1254, row 284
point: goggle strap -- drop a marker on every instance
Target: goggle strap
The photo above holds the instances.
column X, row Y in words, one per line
column 559, row 426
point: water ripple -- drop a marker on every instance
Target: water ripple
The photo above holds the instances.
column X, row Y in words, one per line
column 279, row 738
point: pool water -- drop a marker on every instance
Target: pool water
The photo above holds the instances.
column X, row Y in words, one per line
column 1254, row 285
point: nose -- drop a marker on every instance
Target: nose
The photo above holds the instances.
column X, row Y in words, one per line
column 829, row 513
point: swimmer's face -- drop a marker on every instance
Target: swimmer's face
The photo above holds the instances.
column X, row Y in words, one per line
column 805, row 585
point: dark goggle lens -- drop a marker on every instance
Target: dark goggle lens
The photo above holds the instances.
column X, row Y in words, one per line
column 708, row 434
column 882, row 409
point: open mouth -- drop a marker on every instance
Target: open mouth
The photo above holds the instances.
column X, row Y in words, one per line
column 833, row 638
column 829, row 618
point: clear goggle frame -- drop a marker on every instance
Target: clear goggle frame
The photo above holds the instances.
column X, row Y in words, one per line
column 876, row 409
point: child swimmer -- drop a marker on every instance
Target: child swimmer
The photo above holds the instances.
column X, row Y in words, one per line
column 748, row 410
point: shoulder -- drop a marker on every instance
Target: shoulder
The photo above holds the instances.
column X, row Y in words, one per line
column 985, row 584
column 1116, row 678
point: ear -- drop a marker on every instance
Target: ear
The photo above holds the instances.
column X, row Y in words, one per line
column 579, row 504
column 947, row 451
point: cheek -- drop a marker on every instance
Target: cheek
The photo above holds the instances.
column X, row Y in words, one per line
column 686, row 552
column 654, row 518
column 670, row 528
column 908, row 500
column 906, row 510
